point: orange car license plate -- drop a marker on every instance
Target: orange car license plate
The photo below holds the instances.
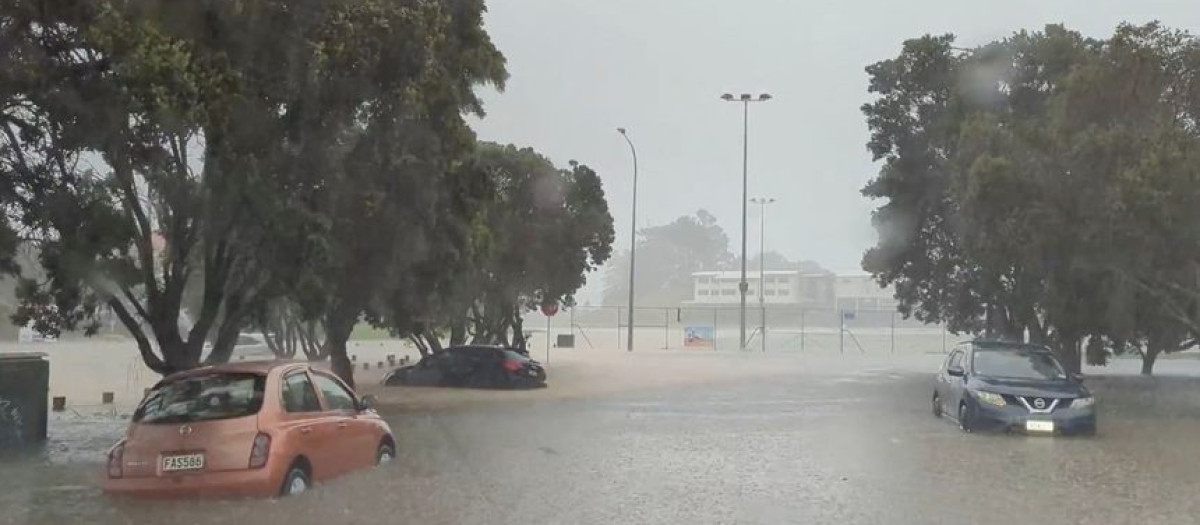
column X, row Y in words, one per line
column 182, row 462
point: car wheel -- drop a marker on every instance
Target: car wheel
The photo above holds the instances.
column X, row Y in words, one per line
column 937, row 405
column 964, row 418
column 385, row 455
column 295, row 483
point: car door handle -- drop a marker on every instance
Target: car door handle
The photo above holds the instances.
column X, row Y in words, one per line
column 306, row 430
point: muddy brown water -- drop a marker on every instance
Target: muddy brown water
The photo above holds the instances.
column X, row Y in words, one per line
column 670, row 438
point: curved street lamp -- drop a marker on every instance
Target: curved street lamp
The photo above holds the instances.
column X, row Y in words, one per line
column 632, row 237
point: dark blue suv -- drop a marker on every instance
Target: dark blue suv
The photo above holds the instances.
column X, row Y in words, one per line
column 1012, row 387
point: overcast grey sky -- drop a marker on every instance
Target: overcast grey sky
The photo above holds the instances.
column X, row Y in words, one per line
column 582, row 68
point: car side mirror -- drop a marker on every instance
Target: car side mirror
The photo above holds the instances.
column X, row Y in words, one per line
column 1077, row 377
column 956, row 371
column 366, row 403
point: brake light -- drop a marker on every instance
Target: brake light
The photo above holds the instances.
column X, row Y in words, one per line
column 260, row 451
column 513, row 365
column 116, row 458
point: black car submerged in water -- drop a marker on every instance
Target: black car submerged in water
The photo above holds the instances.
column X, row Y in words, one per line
column 1012, row 387
column 472, row 366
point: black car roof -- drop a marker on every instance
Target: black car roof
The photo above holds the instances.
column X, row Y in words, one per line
column 473, row 348
column 1008, row 345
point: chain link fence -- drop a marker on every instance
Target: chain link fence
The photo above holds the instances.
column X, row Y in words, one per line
column 716, row 328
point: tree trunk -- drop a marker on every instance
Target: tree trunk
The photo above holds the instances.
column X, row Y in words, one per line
column 435, row 344
column 1148, row 358
column 1069, row 354
column 419, row 342
column 222, row 348
column 336, row 335
column 458, row 333
column 310, row 343
column 175, row 359
column 519, row 331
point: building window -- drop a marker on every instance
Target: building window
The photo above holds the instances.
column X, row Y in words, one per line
column 785, row 292
column 702, row 292
column 728, row 292
column 704, row 280
column 749, row 292
column 768, row 292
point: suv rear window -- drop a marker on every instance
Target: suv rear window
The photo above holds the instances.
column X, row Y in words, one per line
column 513, row 355
column 203, row 398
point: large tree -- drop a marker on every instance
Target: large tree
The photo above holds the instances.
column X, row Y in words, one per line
column 1030, row 184
column 536, row 233
column 389, row 196
column 213, row 146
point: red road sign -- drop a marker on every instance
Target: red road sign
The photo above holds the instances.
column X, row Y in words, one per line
column 549, row 309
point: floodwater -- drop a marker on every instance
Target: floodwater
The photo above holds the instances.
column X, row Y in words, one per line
column 671, row 438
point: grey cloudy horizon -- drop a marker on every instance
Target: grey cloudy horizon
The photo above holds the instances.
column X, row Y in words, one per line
column 582, row 68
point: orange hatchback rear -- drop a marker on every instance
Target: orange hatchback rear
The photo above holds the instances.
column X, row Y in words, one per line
column 247, row 429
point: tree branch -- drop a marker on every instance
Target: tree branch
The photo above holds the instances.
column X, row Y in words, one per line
column 137, row 305
column 144, row 348
column 145, row 245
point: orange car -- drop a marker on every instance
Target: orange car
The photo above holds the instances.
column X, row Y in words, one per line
column 246, row 429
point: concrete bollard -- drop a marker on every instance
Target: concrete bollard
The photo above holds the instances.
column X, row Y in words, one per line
column 59, row 404
column 381, row 365
column 354, row 358
column 391, row 358
column 366, row 366
column 107, row 398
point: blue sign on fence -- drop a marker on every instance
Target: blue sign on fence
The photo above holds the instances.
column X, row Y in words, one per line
column 698, row 337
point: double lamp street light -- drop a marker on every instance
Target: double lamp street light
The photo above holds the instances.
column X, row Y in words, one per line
column 745, row 99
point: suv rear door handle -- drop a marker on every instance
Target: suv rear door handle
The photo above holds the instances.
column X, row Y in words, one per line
column 306, row 430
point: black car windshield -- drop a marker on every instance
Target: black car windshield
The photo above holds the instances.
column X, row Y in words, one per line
column 203, row 398
column 1017, row 364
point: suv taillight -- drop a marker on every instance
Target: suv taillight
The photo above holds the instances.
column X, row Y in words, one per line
column 260, row 451
column 512, row 365
column 116, row 457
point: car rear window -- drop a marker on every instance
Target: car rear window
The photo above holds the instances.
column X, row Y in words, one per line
column 203, row 398
column 515, row 356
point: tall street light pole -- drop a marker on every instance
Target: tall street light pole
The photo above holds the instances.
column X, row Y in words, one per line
column 762, row 203
column 745, row 99
column 632, row 238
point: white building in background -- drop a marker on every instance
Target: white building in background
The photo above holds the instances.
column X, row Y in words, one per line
column 856, row 292
column 784, row 287
column 794, row 288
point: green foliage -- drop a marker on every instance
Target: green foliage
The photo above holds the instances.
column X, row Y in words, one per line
column 1043, row 186
column 534, row 233
column 216, row 156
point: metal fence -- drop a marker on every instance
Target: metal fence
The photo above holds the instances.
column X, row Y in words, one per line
column 776, row 329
